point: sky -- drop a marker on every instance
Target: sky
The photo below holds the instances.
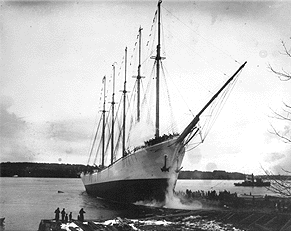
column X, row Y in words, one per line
column 54, row 55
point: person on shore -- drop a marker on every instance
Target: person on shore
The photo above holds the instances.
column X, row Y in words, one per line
column 57, row 214
column 66, row 218
column 70, row 217
column 63, row 214
column 81, row 212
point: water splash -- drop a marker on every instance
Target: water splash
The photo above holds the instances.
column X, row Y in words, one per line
column 152, row 203
column 174, row 202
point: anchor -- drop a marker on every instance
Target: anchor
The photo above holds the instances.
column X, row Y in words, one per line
column 165, row 168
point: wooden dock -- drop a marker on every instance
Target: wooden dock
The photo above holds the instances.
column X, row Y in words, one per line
column 183, row 220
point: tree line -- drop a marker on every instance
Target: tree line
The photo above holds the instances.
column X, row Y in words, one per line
column 28, row 169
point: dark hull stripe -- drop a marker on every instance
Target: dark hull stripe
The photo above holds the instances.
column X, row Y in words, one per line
column 130, row 190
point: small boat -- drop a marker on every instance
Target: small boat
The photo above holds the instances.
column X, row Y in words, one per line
column 252, row 182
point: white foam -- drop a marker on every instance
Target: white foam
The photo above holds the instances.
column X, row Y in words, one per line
column 68, row 225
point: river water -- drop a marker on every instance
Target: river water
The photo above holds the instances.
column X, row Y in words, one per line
column 25, row 201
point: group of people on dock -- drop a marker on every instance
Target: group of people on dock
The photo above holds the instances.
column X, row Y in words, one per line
column 225, row 197
column 68, row 218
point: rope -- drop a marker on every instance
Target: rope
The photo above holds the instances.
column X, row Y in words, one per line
column 226, row 54
column 93, row 143
column 169, row 99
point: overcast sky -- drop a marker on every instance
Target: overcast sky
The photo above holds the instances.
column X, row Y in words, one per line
column 55, row 54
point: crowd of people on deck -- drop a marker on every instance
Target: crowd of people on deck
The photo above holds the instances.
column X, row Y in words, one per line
column 160, row 139
column 65, row 217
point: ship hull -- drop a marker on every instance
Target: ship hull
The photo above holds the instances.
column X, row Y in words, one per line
column 144, row 175
column 130, row 190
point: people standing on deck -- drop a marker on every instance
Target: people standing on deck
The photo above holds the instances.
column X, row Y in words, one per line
column 63, row 214
column 70, row 216
column 57, row 216
column 81, row 214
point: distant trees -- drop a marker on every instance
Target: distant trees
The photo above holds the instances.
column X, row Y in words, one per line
column 281, row 185
column 26, row 169
column 216, row 174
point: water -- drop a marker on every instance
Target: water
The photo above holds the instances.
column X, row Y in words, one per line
column 25, row 201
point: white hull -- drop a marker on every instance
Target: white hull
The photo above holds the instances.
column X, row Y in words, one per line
column 142, row 175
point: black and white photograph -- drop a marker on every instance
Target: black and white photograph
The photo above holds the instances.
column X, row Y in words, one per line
column 145, row 115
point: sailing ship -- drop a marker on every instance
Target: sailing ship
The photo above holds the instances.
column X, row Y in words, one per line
column 147, row 172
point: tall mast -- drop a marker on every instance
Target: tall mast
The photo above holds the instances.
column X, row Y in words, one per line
column 103, row 118
column 112, row 105
column 138, row 76
column 158, row 58
column 124, row 104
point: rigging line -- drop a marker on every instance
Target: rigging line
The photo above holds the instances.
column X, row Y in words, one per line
column 224, row 52
column 120, row 108
column 169, row 98
column 118, row 143
column 215, row 68
column 197, row 144
column 102, row 89
column 179, row 92
column 129, row 109
column 169, row 58
column 120, row 66
column 150, row 35
column 214, row 112
column 148, row 85
column 216, row 108
column 109, row 128
column 119, row 136
column 150, row 51
column 96, row 155
column 163, row 37
column 221, row 103
column 94, row 140
column 146, row 59
column 106, row 122
column 134, row 49
column 130, row 128
column 129, row 101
